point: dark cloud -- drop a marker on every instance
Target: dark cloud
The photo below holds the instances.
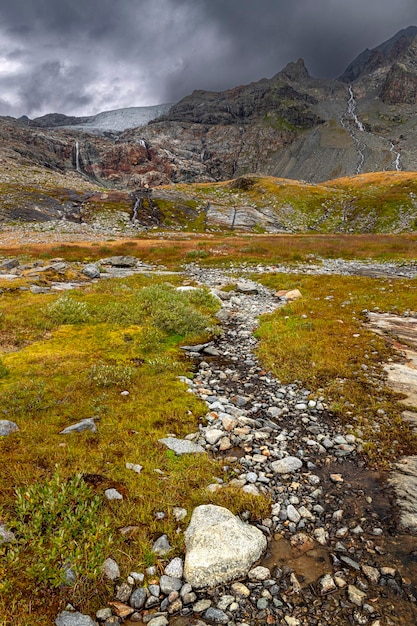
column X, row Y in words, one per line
column 84, row 56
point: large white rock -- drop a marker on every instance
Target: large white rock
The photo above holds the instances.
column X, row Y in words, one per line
column 219, row 547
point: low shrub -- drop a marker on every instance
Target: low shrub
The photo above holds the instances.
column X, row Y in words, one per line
column 104, row 375
column 58, row 525
column 67, row 310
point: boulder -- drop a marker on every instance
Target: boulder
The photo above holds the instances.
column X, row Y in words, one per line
column 91, row 271
column 219, row 547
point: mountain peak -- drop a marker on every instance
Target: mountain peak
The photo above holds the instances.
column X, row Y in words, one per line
column 389, row 50
column 295, row 70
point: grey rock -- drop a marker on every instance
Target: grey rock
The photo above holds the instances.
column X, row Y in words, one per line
column 91, row 271
column 247, row 287
column 138, row 598
column 85, row 424
column 9, row 264
column 350, row 563
column 73, row 618
column 293, row 514
column 113, row 494
column 181, row 446
column 123, row 592
column 110, row 569
column 135, row 467
column 7, row 427
column 175, row 568
column 287, row 465
column 219, row 547
column 154, row 590
column 201, row 606
column 103, row 614
column 6, row 536
column 216, row 616
column 161, row 545
column 169, row 584
column 121, row 261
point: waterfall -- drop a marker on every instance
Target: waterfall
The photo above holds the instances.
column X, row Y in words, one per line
column 350, row 115
column 397, row 161
column 351, row 110
column 77, row 158
column 136, row 209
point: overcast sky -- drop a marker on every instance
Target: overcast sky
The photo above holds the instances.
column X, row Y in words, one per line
column 80, row 57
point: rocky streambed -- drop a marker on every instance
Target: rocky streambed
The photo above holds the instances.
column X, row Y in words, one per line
column 335, row 554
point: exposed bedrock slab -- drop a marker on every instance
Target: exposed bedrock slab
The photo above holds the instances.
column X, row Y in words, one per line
column 219, row 547
column 404, row 481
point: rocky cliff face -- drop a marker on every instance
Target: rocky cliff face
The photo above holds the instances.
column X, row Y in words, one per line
column 292, row 125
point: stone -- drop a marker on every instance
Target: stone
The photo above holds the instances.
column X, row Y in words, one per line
column 213, row 435
column 74, row 618
column 356, row 596
column 91, row 270
column 9, row 264
column 138, row 598
column 292, row 514
column 287, row 465
column 123, row 592
column 321, row 536
column 110, row 569
column 103, row 614
column 159, row 620
column 327, row 584
column 7, row 427
column 113, row 494
column 289, row 294
column 251, row 489
column 201, row 606
column 371, row 573
column 6, row 536
column 216, row 616
column 219, row 547
column 181, row 446
column 175, row 568
column 169, row 584
column 121, row 261
column 179, row 513
column 135, row 467
column 224, row 444
column 248, row 287
column 240, row 590
column 121, row 609
column 161, row 545
column 85, row 424
column 259, row 573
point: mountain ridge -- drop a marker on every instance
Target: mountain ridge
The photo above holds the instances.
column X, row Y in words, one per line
column 291, row 125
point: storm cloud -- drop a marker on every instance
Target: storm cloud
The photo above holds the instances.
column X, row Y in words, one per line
column 80, row 57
